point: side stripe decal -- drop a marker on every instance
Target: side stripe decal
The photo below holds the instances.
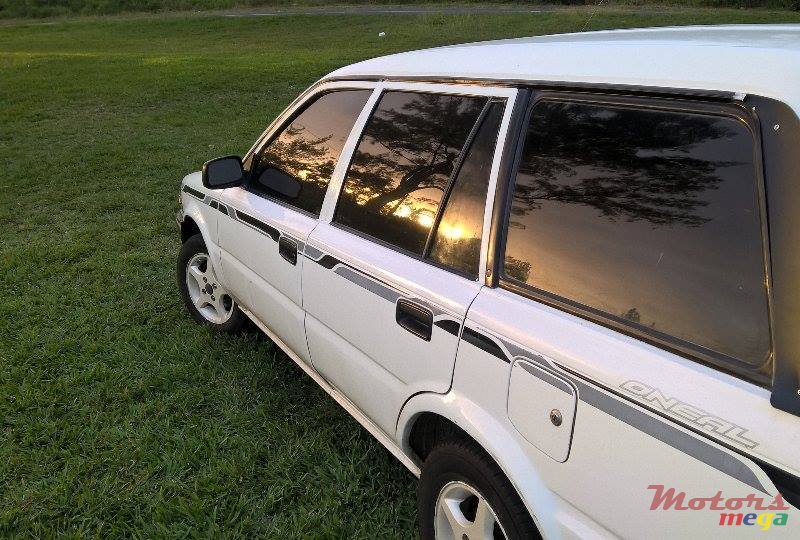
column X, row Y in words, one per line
column 326, row 261
column 378, row 287
column 448, row 325
column 483, row 342
column 365, row 283
column 546, row 377
column 654, row 426
column 194, row 192
column 243, row 217
column 271, row 231
column 313, row 253
column 666, row 433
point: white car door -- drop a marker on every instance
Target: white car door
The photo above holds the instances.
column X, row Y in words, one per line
column 395, row 262
column 263, row 225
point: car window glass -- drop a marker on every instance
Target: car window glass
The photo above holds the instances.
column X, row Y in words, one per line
column 649, row 216
column 403, row 164
column 457, row 242
column 296, row 166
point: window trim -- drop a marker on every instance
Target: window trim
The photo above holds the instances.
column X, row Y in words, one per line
column 780, row 138
column 511, row 98
column 761, row 374
column 464, row 148
column 289, row 114
column 437, row 221
column 401, row 251
column 448, row 189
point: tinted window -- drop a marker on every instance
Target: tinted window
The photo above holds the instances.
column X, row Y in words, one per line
column 457, row 242
column 302, row 158
column 403, row 164
column 649, row 216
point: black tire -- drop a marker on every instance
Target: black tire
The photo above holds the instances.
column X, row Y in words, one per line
column 237, row 322
column 465, row 461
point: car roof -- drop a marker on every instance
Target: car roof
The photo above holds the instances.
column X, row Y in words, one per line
column 750, row 59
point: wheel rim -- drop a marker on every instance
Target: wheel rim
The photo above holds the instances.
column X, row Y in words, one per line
column 211, row 300
column 462, row 513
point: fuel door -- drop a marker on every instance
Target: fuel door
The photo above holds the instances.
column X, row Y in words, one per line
column 541, row 405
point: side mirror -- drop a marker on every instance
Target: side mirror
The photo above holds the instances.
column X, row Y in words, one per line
column 223, row 172
column 280, row 183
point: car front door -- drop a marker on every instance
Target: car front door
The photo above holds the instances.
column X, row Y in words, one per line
column 263, row 225
column 395, row 262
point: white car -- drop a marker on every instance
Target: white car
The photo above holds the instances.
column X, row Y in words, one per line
column 556, row 277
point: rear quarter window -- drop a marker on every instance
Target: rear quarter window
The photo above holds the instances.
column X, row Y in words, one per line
column 647, row 217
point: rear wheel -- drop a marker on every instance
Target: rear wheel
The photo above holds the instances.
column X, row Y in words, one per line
column 207, row 301
column 463, row 495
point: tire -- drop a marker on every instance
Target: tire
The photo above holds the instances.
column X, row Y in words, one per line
column 449, row 467
column 198, row 284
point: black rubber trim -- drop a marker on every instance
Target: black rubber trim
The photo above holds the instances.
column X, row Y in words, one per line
column 448, row 325
column 610, row 88
column 780, row 139
column 426, row 250
column 214, row 204
column 483, row 342
column 224, row 209
column 511, row 149
column 260, row 225
column 194, row 192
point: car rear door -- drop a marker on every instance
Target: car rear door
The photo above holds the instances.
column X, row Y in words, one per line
column 395, row 262
column 263, row 225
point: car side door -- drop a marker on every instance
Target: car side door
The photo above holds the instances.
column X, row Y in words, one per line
column 395, row 262
column 263, row 225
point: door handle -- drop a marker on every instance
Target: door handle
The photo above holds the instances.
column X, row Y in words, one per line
column 288, row 249
column 415, row 318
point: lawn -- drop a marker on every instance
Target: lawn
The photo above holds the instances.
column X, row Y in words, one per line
column 119, row 415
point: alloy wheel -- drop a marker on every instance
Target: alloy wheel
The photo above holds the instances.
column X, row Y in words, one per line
column 462, row 513
column 211, row 300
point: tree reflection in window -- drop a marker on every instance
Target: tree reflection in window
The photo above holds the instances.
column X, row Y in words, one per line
column 309, row 147
column 457, row 240
column 403, row 163
column 648, row 215
column 627, row 164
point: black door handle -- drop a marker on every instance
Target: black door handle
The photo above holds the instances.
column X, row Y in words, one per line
column 288, row 249
column 415, row 318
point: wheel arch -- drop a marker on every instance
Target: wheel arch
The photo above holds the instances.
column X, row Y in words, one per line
column 197, row 218
column 194, row 220
column 427, row 419
column 189, row 228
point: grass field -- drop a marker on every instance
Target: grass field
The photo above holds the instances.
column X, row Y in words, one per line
column 55, row 8
column 119, row 415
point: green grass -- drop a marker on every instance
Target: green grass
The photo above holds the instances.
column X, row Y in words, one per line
column 119, row 415
column 55, row 8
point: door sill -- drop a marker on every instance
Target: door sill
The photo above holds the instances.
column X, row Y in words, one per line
column 348, row 405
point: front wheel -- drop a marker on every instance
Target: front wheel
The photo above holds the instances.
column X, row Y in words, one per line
column 207, row 301
column 463, row 495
